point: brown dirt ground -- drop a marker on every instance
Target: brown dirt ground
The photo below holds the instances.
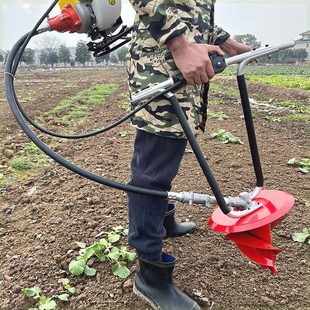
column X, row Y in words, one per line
column 55, row 208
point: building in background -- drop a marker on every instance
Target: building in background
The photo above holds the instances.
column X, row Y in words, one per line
column 304, row 42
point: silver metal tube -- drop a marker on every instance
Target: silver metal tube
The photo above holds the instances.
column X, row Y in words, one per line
column 207, row 200
column 255, row 192
column 152, row 91
column 43, row 29
column 244, row 59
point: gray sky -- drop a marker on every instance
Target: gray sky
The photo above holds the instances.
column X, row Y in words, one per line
column 270, row 21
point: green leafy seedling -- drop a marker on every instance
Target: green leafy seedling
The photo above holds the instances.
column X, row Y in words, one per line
column 63, row 297
column 66, row 285
column 221, row 116
column 125, row 106
column 303, row 164
column 302, row 237
column 76, row 267
column 125, row 133
column 113, row 237
column 225, row 137
column 120, row 270
column 90, row 272
column 33, row 292
column 47, row 303
column 104, row 250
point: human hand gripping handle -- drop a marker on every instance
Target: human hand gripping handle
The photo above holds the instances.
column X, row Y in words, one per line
column 176, row 82
column 193, row 60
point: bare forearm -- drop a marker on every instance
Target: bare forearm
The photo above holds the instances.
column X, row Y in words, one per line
column 231, row 47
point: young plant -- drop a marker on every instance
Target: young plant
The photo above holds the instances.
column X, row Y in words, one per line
column 105, row 250
column 125, row 106
column 44, row 303
column 303, row 164
column 49, row 303
column 302, row 237
column 125, row 133
column 225, row 137
column 221, row 116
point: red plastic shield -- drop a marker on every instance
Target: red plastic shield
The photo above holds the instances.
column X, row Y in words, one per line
column 252, row 233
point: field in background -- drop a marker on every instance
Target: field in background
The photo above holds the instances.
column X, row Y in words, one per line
column 46, row 212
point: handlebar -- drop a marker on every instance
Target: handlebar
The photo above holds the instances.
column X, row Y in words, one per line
column 219, row 64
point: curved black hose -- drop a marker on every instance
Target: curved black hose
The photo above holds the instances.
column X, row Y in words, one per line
column 19, row 46
column 10, row 69
column 31, row 34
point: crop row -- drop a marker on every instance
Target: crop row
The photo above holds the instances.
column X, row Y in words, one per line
column 255, row 69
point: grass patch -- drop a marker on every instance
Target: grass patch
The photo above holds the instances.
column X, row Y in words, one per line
column 297, row 117
column 225, row 137
column 288, row 104
column 25, row 162
column 216, row 101
column 221, row 116
column 292, row 81
column 270, row 70
column 21, row 163
column 223, row 90
column 79, row 105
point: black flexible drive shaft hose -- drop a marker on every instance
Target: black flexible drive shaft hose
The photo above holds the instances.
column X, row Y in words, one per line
column 10, row 68
column 250, row 130
column 199, row 155
column 19, row 114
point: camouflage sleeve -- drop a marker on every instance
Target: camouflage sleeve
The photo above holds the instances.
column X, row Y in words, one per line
column 219, row 36
column 159, row 19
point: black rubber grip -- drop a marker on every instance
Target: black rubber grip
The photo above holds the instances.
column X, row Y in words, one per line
column 218, row 62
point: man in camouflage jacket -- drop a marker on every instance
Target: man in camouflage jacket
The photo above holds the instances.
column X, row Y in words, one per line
column 169, row 37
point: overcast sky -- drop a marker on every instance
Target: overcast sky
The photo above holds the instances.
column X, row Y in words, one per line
column 270, row 21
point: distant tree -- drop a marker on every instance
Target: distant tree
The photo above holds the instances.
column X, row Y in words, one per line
column 102, row 59
column 64, row 55
column 1, row 57
column 48, row 45
column 82, row 55
column 301, row 54
column 28, row 56
column 107, row 58
column 99, row 59
column 43, row 57
column 114, row 58
column 122, row 54
column 52, row 58
column 248, row 39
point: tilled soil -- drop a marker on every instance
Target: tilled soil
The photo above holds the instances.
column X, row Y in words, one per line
column 43, row 217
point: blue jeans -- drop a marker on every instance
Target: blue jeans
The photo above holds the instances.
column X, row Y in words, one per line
column 154, row 165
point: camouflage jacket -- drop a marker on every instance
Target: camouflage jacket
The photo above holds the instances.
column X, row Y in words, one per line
column 150, row 62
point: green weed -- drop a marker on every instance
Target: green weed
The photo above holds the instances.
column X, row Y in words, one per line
column 297, row 117
column 303, row 164
column 25, row 161
column 79, row 105
column 49, row 303
column 106, row 251
column 225, row 137
column 125, row 106
column 221, row 116
column 302, row 237
column 31, row 148
column 125, row 133
column 22, row 163
column 223, row 90
column 292, row 81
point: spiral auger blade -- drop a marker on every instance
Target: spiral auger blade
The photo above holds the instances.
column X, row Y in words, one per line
column 252, row 233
